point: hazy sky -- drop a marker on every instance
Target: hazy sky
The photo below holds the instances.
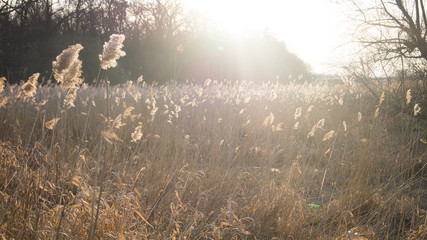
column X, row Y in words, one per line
column 315, row 30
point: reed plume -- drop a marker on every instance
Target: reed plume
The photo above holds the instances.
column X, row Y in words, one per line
column 320, row 123
column 117, row 123
column 70, row 97
column 382, row 98
column 2, row 81
column 3, row 101
column 112, row 51
column 137, row 134
column 30, row 87
column 140, row 79
column 408, row 96
column 51, row 124
column 67, row 67
column 268, row 120
column 328, row 135
column 297, row 113
column 110, row 136
column 417, row 109
column 128, row 112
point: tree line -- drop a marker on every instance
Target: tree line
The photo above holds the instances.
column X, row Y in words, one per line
column 164, row 41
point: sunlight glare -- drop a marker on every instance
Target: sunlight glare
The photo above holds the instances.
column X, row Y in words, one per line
column 312, row 29
column 238, row 17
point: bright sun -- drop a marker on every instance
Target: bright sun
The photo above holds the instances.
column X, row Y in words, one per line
column 238, row 16
column 313, row 29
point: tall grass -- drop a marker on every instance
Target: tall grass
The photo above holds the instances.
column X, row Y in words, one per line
column 214, row 160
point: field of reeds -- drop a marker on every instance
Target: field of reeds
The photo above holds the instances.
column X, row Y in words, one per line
column 210, row 160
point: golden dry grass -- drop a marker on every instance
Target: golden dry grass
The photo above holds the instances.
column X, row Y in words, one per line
column 214, row 160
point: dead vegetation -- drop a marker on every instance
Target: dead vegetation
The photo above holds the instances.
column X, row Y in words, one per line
column 216, row 160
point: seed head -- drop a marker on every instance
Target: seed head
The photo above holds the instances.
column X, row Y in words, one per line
column 112, row 51
column 67, row 67
column 128, row 112
column 417, row 109
column 140, row 79
column 328, row 135
column 51, row 124
column 3, row 101
column 408, row 96
column 381, row 98
column 117, row 123
column 70, row 97
column 311, row 133
column 268, row 120
column 137, row 134
column 320, row 123
column 30, row 87
column 2, row 81
column 377, row 112
column 297, row 113
column 110, row 136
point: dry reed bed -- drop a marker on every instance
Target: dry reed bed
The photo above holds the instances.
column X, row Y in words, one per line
column 209, row 160
column 215, row 160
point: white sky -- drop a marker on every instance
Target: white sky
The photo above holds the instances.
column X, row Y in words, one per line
column 315, row 30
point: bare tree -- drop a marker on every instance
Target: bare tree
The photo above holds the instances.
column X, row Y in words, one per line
column 393, row 35
column 394, row 28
